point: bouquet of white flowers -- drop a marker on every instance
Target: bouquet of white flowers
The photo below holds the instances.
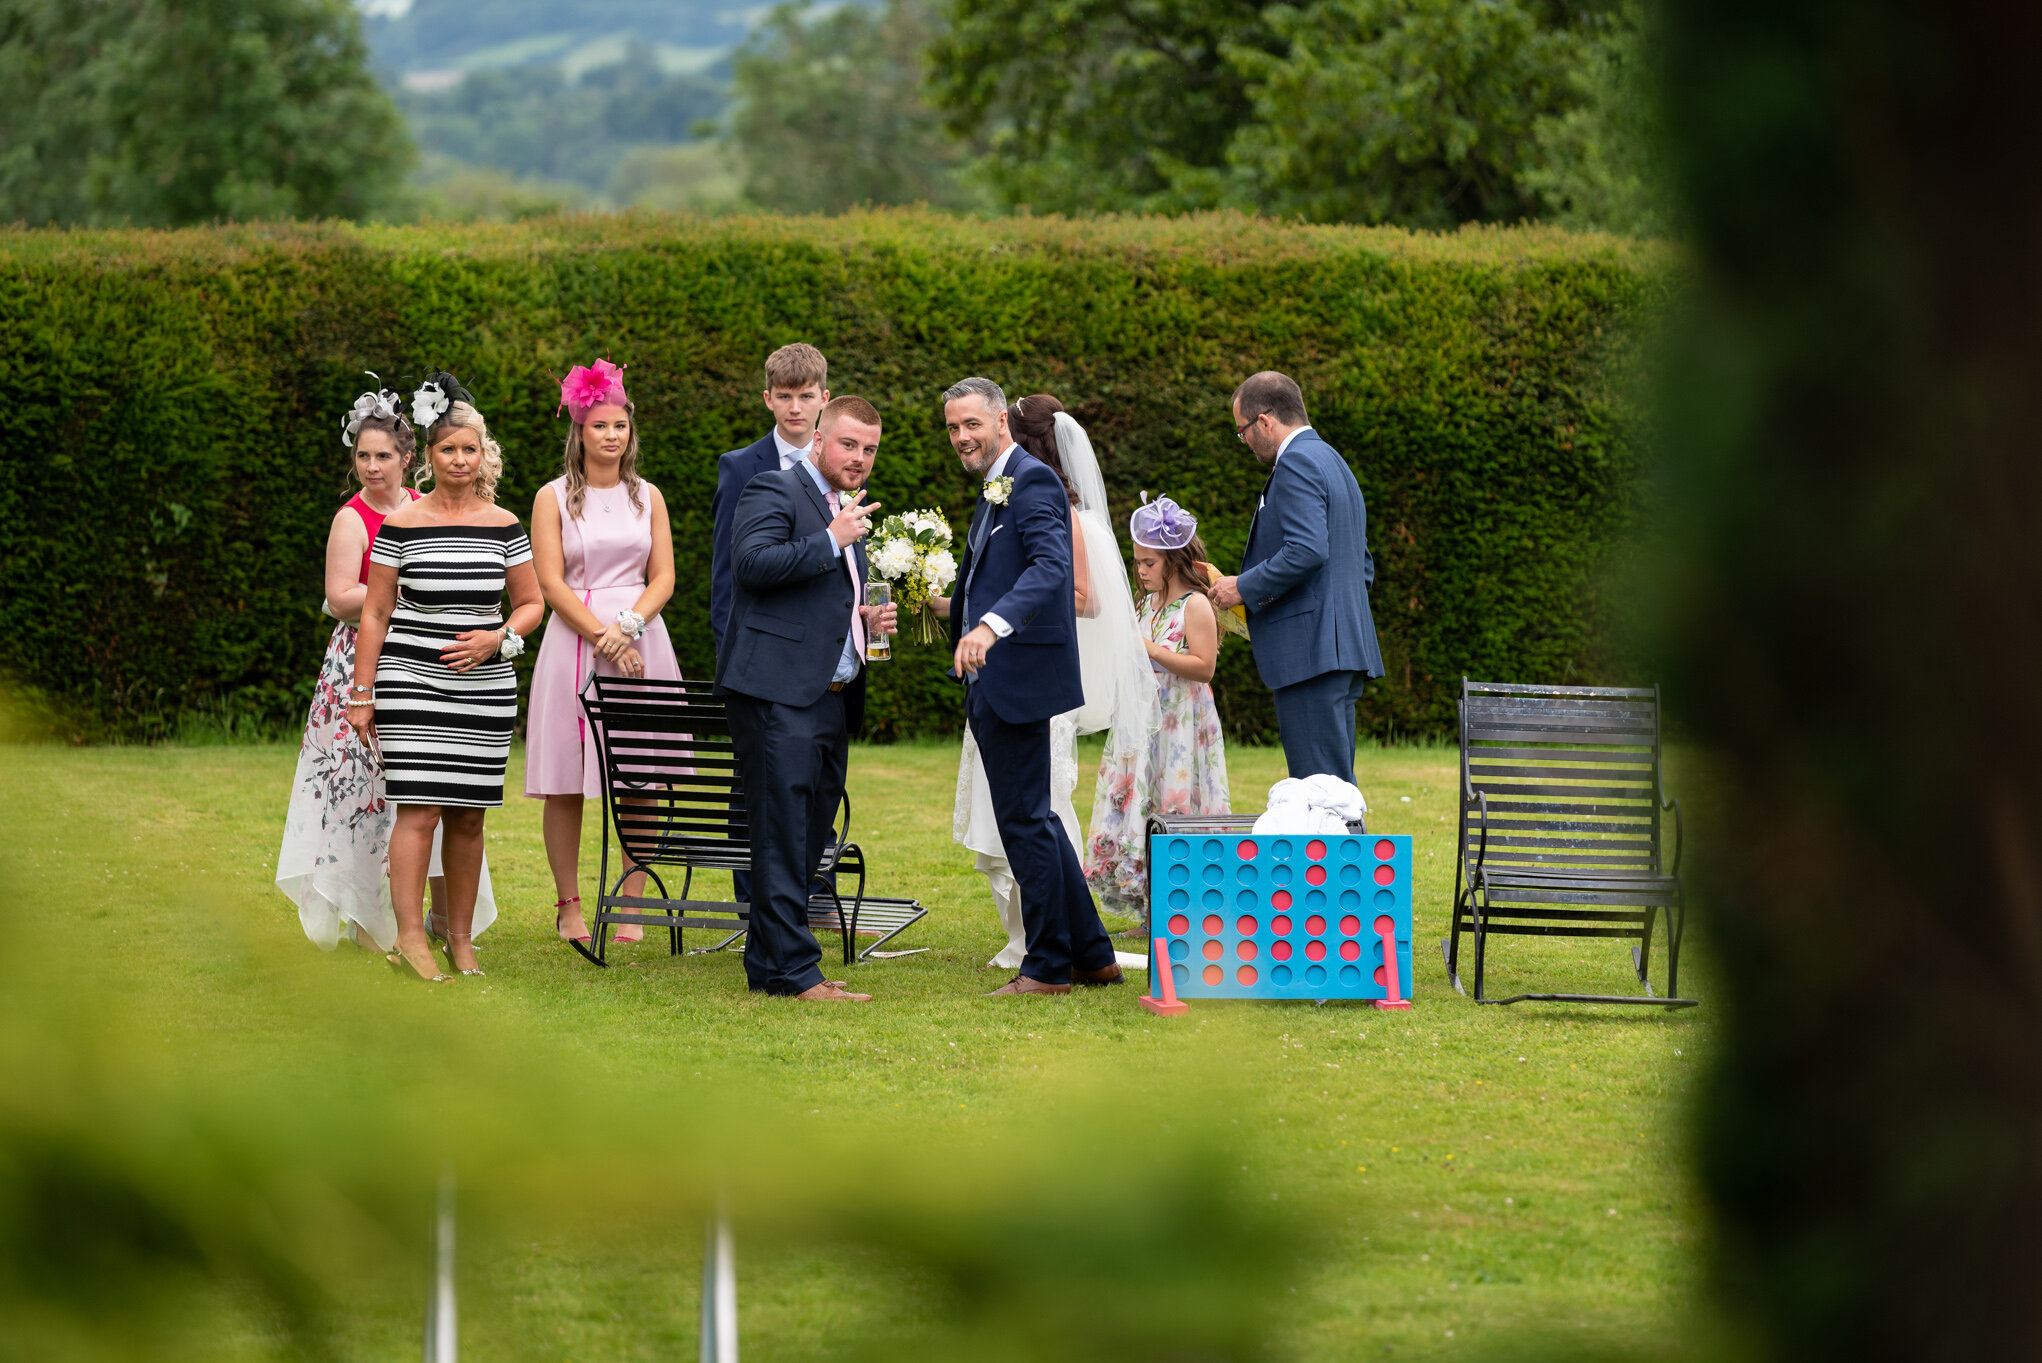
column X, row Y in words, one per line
column 912, row 551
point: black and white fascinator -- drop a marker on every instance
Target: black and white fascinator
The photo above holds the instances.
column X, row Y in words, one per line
column 435, row 397
column 377, row 402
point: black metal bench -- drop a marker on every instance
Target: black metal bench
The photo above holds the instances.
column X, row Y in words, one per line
column 668, row 772
column 1561, row 828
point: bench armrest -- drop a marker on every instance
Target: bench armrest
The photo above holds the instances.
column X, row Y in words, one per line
column 1482, row 850
column 1679, row 834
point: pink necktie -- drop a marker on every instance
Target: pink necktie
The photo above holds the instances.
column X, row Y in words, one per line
column 857, row 592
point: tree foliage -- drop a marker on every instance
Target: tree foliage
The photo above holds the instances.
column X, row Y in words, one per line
column 1096, row 104
column 1419, row 112
column 163, row 112
column 1425, row 113
column 1601, row 160
column 829, row 112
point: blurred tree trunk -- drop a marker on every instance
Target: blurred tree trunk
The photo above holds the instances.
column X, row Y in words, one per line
column 1854, row 441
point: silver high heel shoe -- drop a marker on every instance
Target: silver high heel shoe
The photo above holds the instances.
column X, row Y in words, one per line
column 406, row 969
column 467, row 937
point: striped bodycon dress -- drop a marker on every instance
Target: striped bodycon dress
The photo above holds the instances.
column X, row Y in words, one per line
column 445, row 735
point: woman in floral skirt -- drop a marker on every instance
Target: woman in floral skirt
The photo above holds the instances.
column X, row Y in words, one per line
column 334, row 863
column 1186, row 770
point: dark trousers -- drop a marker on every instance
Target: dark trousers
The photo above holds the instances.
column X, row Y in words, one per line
column 1064, row 930
column 1315, row 719
column 792, row 758
column 740, row 827
column 741, row 881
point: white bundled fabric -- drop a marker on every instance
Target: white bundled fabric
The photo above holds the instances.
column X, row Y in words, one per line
column 1322, row 805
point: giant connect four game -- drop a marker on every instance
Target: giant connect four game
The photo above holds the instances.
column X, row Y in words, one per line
column 1282, row 917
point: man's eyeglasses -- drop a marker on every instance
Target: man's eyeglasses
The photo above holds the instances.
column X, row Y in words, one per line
column 1241, row 431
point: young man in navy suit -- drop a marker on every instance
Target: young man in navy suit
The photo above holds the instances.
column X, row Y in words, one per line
column 797, row 387
column 792, row 675
column 1304, row 579
column 1014, row 636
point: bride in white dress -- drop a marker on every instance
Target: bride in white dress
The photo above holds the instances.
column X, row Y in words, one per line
column 1119, row 690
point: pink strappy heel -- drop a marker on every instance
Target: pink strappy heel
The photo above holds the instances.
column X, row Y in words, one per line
column 559, row 906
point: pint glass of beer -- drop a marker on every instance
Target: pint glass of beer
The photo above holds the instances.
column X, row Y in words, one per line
column 878, row 647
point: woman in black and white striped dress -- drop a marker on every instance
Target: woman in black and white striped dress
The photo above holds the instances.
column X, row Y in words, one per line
column 433, row 679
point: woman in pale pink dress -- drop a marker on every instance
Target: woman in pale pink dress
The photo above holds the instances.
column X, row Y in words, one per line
column 605, row 557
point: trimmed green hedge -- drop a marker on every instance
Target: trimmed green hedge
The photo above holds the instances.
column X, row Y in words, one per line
column 168, row 410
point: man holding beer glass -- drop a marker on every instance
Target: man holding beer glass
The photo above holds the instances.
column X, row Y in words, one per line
column 792, row 672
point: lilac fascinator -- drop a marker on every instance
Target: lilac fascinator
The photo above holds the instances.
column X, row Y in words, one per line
column 1161, row 524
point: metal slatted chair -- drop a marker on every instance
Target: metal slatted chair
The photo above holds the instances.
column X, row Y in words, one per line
column 668, row 771
column 1562, row 828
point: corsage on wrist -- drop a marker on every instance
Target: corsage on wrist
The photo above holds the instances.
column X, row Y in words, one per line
column 511, row 646
column 631, row 622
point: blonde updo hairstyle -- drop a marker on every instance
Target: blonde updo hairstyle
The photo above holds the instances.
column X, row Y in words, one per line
column 576, row 467
column 465, row 415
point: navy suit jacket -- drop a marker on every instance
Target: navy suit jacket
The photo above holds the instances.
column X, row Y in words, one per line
column 790, row 602
column 1307, row 571
column 734, row 473
column 1023, row 575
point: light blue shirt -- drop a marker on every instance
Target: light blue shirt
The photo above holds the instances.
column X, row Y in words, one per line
column 847, row 665
column 1260, row 502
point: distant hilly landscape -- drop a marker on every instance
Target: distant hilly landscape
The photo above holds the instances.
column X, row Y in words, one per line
column 522, row 106
column 410, row 36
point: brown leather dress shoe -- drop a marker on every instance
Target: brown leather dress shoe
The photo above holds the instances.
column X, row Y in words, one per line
column 828, row 992
column 1023, row 984
column 1110, row 975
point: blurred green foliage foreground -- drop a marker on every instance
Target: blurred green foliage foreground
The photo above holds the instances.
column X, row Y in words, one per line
column 217, row 1142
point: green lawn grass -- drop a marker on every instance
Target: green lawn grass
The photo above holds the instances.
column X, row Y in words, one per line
column 1473, row 1178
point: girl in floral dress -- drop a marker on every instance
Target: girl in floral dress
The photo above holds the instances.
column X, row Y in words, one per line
column 1186, row 771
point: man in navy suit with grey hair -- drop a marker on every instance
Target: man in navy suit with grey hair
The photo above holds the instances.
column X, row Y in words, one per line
column 1304, row 579
column 1014, row 632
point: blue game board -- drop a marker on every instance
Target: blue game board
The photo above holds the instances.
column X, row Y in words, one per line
column 1281, row 917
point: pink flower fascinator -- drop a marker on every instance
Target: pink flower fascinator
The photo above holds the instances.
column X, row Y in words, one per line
column 591, row 385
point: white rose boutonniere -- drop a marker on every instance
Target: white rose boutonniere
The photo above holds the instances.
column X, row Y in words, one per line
column 998, row 490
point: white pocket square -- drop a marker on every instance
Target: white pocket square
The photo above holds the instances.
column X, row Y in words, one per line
column 996, row 530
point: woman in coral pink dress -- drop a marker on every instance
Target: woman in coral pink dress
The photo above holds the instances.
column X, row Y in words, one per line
column 605, row 557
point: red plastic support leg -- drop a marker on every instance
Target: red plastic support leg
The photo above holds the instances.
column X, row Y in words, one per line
column 1162, row 997
column 1386, row 929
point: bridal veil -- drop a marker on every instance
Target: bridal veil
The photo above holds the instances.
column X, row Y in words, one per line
column 1120, row 685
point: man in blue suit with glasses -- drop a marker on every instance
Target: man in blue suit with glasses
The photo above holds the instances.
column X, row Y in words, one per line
column 1304, row 579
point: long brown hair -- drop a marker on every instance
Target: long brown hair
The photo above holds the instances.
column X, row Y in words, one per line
column 577, row 476
column 1181, row 562
column 1032, row 420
